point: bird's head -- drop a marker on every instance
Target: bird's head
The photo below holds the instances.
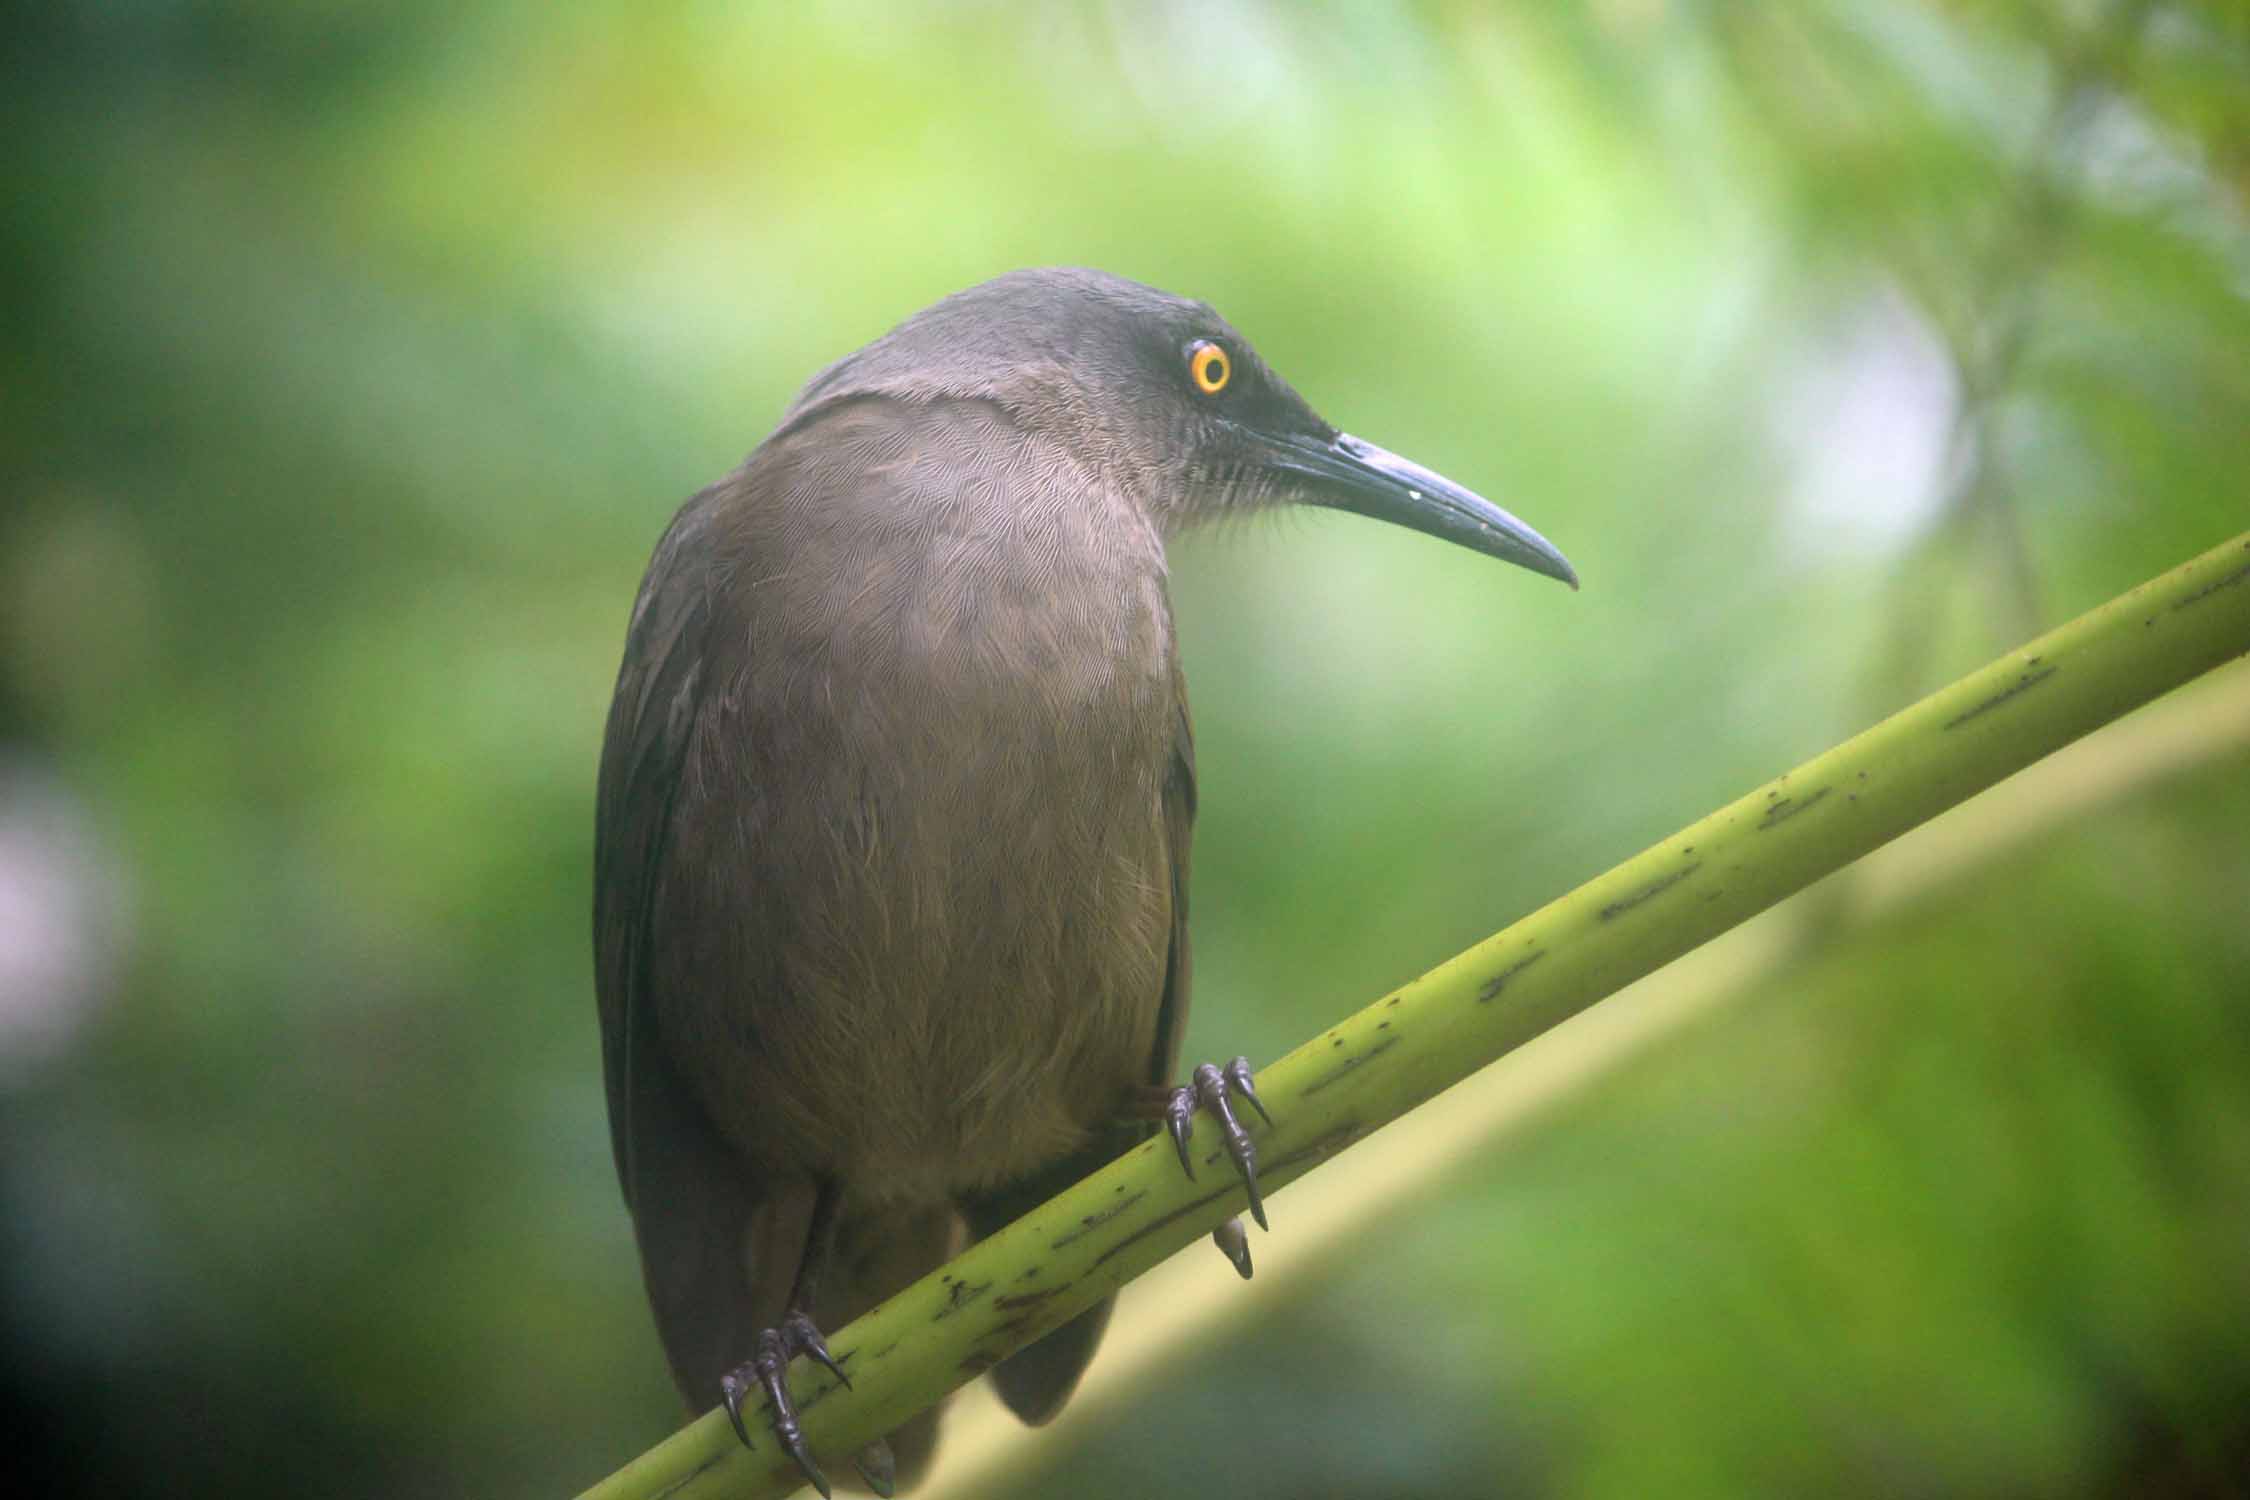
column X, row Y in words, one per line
column 1166, row 394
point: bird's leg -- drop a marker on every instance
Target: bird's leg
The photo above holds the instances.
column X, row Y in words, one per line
column 767, row 1369
column 1213, row 1088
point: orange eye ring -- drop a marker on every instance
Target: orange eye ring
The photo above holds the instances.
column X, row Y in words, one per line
column 1209, row 367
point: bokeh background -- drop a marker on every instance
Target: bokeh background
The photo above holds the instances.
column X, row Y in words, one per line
column 353, row 355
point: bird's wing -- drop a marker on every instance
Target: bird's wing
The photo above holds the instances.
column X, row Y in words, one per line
column 719, row 1243
column 1179, row 829
column 651, row 720
column 1037, row 1379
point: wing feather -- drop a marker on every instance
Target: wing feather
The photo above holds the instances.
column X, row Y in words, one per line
column 720, row 1245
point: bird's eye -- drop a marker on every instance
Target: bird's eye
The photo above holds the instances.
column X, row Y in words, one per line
column 1209, row 367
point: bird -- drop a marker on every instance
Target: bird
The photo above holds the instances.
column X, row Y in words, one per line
column 894, row 808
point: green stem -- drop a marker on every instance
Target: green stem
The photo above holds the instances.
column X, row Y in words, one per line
column 1055, row 1262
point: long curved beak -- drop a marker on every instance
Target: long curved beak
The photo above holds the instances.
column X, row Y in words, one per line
column 1348, row 473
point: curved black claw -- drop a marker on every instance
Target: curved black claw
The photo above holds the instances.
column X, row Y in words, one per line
column 878, row 1467
column 1213, row 1088
column 767, row 1370
column 1234, row 1243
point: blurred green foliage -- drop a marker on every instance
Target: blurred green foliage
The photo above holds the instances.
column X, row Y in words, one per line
column 355, row 354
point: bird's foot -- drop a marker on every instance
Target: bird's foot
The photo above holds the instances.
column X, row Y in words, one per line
column 767, row 1370
column 1215, row 1089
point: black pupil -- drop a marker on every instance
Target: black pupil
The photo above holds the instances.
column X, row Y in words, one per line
column 1213, row 366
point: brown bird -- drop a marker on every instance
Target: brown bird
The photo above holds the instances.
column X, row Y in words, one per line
column 891, row 858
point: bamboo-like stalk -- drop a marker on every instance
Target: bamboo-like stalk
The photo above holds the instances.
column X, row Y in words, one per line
column 1410, row 1045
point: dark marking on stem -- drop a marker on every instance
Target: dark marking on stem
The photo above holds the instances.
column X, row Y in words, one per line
column 1320, row 1150
column 959, row 1294
column 1026, row 1299
column 1327, row 1146
column 692, row 1475
column 1356, row 1060
column 1653, row 889
column 1499, row 981
column 807, row 1403
column 2023, row 684
column 1789, row 807
column 2216, row 584
column 1182, row 1212
column 1093, row 1222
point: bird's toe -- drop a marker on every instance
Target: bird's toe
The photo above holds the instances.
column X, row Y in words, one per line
column 767, row 1370
column 1212, row 1090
